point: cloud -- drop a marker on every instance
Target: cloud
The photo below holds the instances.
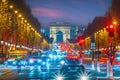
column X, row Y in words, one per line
column 52, row 13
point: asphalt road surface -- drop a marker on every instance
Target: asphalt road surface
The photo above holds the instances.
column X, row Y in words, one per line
column 38, row 73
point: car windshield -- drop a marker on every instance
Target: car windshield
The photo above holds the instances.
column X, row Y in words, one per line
column 75, row 68
column 72, row 62
column 72, row 68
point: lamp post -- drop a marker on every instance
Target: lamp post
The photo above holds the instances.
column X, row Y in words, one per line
column 2, row 44
column 93, row 53
column 98, row 56
column 93, row 65
column 110, row 55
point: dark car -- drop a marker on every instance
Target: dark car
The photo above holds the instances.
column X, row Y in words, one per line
column 21, row 62
column 72, row 62
column 72, row 72
column 10, row 62
column 35, row 60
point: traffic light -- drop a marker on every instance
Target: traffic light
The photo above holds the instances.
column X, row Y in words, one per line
column 80, row 40
column 18, row 57
column 112, row 57
column 110, row 29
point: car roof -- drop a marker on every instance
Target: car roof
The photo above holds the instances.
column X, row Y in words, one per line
column 73, row 65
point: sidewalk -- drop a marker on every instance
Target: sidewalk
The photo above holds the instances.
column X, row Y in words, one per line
column 100, row 76
column 93, row 74
column 1, row 73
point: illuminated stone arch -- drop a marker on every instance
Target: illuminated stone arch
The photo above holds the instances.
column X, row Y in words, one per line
column 59, row 36
column 65, row 31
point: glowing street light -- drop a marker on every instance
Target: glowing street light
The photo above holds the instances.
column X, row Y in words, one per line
column 8, row 44
column 22, row 18
column 19, row 15
column 114, row 22
column 16, row 11
column 11, row 6
column 2, row 42
column 25, row 21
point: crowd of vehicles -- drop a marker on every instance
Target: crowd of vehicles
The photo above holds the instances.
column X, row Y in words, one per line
column 35, row 59
column 54, row 58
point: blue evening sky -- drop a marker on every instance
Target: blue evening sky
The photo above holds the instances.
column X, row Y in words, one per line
column 73, row 11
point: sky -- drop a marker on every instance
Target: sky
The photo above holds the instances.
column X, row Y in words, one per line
column 76, row 12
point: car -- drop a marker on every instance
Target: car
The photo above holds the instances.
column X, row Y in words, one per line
column 35, row 60
column 72, row 69
column 72, row 72
column 21, row 62
column 11, row 62
column 72, row 62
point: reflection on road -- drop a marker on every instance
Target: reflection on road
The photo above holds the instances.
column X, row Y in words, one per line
column 40, row 73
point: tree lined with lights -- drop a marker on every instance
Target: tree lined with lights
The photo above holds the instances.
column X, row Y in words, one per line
column 17, row 32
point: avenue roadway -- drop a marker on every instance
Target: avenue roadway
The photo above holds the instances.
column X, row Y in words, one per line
column 36, row 73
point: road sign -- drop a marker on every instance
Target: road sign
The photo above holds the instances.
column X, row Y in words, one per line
column 92, row 45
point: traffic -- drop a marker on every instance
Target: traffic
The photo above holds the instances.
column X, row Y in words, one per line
column 53, row 61
column 54, row 64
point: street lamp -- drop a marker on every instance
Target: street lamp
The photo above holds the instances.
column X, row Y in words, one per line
column 11, row 6
column 2, row 43
column 16, row 11
column 98, row 54
column 114, row 22
column 19, row 15
column 3, row 0
column 92, row 50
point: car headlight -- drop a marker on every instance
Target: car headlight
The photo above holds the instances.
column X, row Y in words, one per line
column 39, row 60
column 62, row 62
column 22, row 62
column 43, row 63
column 84, row 77
column 31, row 61
column 14, row 62
column 59, row 78
column 51, row 56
